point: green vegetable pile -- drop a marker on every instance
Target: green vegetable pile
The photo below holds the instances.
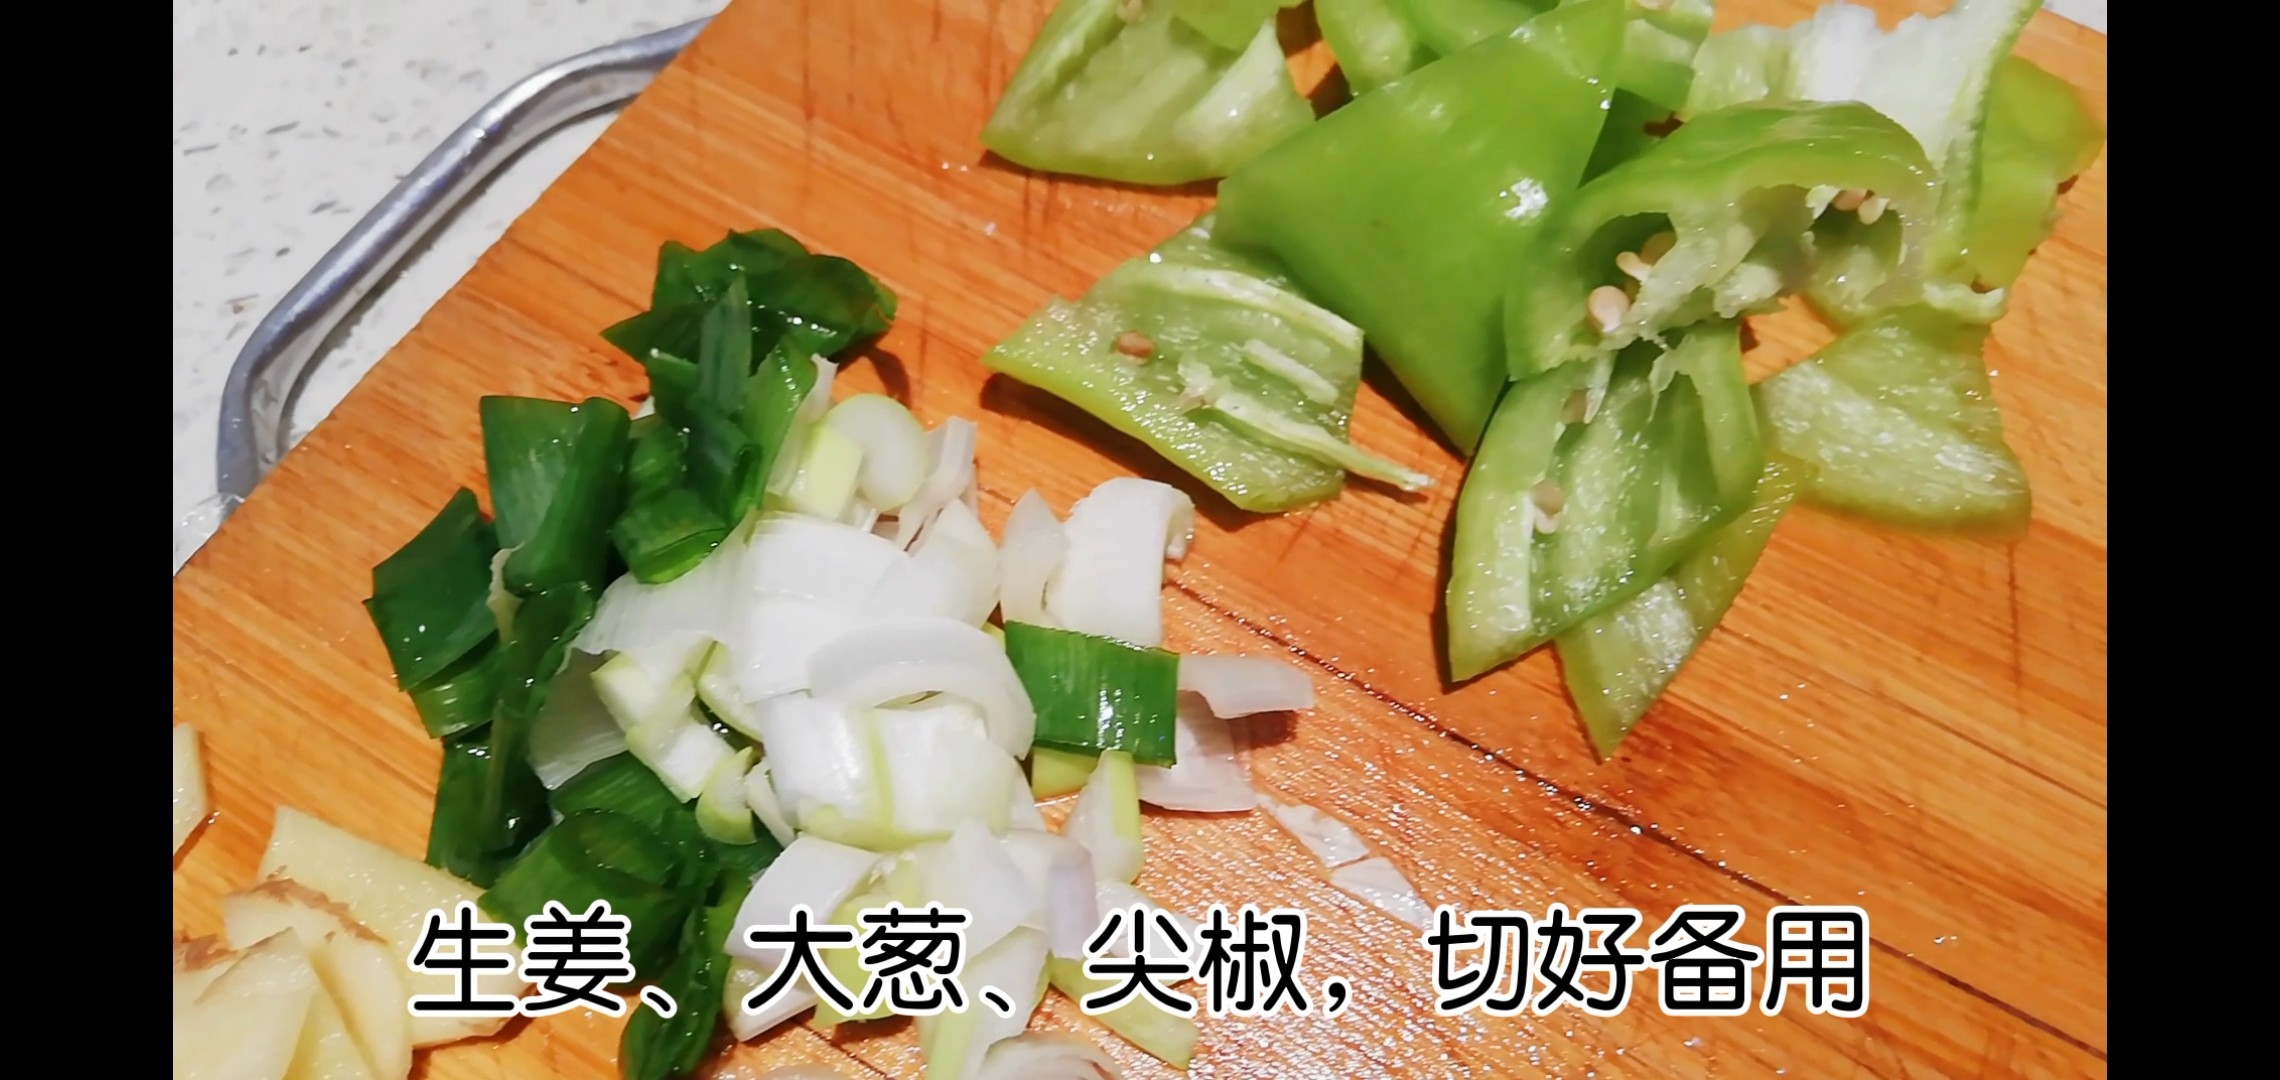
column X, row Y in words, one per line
column 479, row 614
column 1549, row 219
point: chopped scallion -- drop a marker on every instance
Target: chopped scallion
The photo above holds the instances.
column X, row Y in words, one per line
column 1094, row 693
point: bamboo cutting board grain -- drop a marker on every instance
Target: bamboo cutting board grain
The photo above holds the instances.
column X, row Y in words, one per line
column 1914, row 724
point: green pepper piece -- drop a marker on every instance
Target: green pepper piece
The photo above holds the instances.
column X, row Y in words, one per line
column 1214, row 360
column 1731, row 187
column 1657, row 58
column 1932, row 76
column 1150, row 101
column 2039, row 136
column 1659, row 43
column 1402, row 210
column 1593, row 480
column 1652, row 76
column 1449, row 27
column 1372, row 40
column 1618, row 662
column 1652, row 71
column 1229, row 24
column 1899, row 417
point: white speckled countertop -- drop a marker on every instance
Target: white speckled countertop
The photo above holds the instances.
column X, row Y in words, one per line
column 292, row 118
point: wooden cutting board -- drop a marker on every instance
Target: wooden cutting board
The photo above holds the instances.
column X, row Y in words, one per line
column 1914, row 724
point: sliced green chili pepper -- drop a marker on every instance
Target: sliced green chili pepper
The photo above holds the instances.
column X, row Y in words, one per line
column 1229, row 24
column 1593, row 480
column 1618, row 662
column 1449, row 27
column 1729, row 190
column 1399, row 210
column 1149, row 101
column 1659, row 43
column 1656, row 62
column 2039, row 135
column 1652, row 72
column 1214, row 360
column 1372, row 40
column 1898, row 416
column 1932, row 76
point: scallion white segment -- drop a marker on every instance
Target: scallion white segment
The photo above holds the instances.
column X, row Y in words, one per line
column 824, row 762
column 943, row 771
column 1111, row 581
column 632, row 615
column 1120, row 896
column 743, row 980
column 1327, row 837
column 639, row 688
column 1048, row 1055
column 681, row 751
column 810, row 872
column 190, row 801
column 812, row 408
column 1035, row 544
column 952, row 447
column 955, row 1044
column 895, row 455
column 830, row 467
column 1059, row 872
column 952, row 571
column 897, row 658
column 575, row 729
column 1379, row 884
column 973, row 872
column 814, row 559
column 1242, row 685
column 760, row 795
column 777, row 637
column 722, row 812
column 1207, row 777
column 1107, row 818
